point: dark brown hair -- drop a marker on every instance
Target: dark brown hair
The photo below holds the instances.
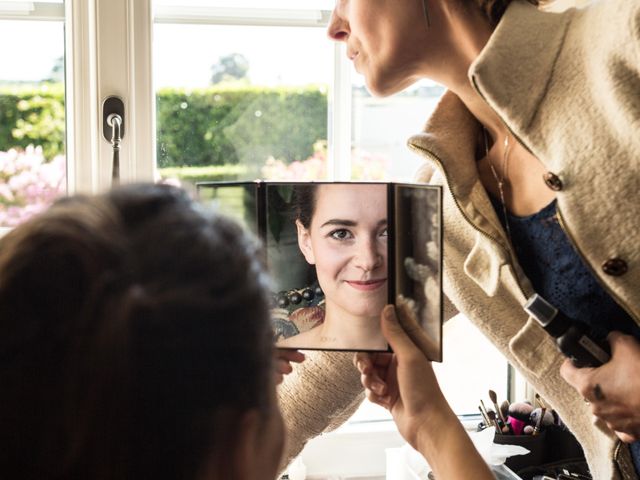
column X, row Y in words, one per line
column 133, row 333
column 304, row 203
column 494, row 9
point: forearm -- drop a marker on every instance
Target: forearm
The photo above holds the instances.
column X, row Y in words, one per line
column 449, row 449
column 320, row 394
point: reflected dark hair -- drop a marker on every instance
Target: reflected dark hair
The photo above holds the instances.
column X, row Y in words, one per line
column 304, row 203
column 494, row 9
column 134, row 333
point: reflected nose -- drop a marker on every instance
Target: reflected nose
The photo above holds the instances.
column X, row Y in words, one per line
column 369, row 255
column 338, row 28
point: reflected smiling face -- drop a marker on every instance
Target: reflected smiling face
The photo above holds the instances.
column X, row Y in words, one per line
column 347, row 242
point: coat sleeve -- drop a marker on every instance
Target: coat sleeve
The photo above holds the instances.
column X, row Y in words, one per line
column 319, row 395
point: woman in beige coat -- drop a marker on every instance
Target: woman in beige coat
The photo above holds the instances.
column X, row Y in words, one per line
column 536, row 143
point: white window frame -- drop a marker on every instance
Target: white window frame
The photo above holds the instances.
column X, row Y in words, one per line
column 108, row 53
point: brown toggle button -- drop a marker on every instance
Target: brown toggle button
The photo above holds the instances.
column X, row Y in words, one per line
column 552, row 181
column 615, row 267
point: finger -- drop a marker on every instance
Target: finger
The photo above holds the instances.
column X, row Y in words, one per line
column 382, row 360
column 567, row 371
column 394, row 333
column 383, row 401
column 614, row 337
column 374, row 384
column 370, row 376
column 625, row 424
column 578, row 378
column 291, row 355
column 626, row 437
column 363, row 361
column 619, row 341
column 278, row 378
column 283, row 367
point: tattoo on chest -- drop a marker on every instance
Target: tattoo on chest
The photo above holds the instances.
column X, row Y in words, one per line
column 324, row 338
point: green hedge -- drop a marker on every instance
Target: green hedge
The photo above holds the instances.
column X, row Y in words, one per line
column 202, row 127
column 32, row 116
column 226, row 126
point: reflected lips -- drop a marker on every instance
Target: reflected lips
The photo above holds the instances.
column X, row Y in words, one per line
column 367, row 286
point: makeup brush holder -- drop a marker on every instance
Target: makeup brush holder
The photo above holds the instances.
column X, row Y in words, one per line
column 536, row 444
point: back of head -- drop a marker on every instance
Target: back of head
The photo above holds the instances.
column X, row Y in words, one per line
column 133, row 333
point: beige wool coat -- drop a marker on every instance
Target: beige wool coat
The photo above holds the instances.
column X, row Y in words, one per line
column 568, row 87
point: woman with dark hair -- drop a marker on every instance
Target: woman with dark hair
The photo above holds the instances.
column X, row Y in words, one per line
column 135, row 342
column 536, row 145
column 342, row 233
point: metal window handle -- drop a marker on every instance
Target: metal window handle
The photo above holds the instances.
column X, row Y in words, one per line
column 115, row 122
column 113, row 131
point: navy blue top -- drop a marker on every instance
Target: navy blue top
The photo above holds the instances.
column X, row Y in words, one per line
column 559, row 275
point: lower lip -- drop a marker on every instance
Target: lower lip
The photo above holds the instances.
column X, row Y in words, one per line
column 367, row 287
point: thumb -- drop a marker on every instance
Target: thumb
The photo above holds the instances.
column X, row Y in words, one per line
column 394, row 332
column 616, row 341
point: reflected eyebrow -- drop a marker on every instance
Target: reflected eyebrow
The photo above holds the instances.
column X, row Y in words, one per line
column 348, row 223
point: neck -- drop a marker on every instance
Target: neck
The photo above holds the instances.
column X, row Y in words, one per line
column 466, row 32
column 349, row 329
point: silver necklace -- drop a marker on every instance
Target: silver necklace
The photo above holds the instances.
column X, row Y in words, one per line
column 500, row 180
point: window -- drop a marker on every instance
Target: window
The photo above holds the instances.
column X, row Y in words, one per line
column 250, row 104
column 32, row 109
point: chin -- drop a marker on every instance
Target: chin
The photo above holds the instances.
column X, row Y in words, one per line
column 371, row 310
column 381, row 87
column 380, row 90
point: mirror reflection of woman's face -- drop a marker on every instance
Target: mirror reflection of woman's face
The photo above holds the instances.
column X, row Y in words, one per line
column 347, row 243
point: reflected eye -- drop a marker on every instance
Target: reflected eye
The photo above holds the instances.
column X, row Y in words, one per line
column 341, row 234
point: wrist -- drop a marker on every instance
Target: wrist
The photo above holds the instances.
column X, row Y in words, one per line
column 438, row 418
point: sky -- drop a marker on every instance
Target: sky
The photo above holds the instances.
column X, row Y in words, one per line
column 184, row 54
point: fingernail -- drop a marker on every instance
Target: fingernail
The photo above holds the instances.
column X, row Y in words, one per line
column 378, row 388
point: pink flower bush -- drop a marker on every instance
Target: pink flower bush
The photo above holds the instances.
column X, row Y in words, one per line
column 28, row 184
column 364, row 166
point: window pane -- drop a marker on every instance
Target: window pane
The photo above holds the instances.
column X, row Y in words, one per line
column 381, row 127
column 241, row 102
column 472, row 366
column 32, row 118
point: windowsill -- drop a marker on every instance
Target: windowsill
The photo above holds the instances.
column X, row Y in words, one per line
column 357, row 450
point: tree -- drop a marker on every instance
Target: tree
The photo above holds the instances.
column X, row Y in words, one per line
column 229, row 67
column 57, row 71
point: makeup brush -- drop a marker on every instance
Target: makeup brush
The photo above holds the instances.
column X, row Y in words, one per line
column 494, row 399
column 547, row 417
column 485, row 419
column 520, row 410
column 486, row 410
column 536, row 429
column 504, row 409
column 494, row 421
column 540, row 401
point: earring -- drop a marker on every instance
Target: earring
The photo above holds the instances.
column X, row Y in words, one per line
column 426, row 13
